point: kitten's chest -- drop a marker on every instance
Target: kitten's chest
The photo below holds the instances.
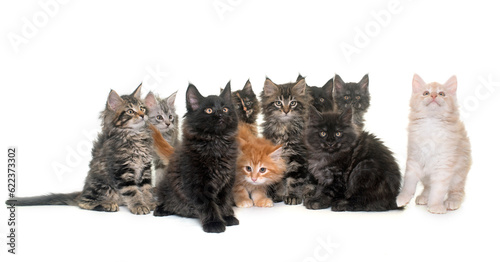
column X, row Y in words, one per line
column 136, row 147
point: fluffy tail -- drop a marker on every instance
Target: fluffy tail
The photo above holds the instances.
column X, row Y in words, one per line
column 70, row 199
column 163, row 149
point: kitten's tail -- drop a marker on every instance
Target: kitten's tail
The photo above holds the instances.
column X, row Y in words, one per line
column 163, row 149
column 70, row 199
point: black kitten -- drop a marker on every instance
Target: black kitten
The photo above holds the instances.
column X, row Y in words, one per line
column 199, row 178
column 323, row 96
column 355, row 95
column 247, row 105
column 351, row 170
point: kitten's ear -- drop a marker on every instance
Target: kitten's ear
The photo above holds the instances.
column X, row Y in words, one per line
column 150, row 100
column 270, row 88
column 338, row 83
column 193, row 98
column 364, row 83
column 314, row 115
column 417, row 84
column 171, row 100
column 114, row 100
column 300, row 87
column 137, row 92
column 328, row 87
column 451, row 85
column 347, row 115
column 247, row 89
column 226, row 93
column 300, row 77
column 276, row 154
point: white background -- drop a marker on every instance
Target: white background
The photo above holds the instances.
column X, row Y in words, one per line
column 55, row 81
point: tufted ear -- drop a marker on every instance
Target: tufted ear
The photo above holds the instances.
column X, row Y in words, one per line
column 451, row 85
column 300, row 87
column 114, row 100
column 150, row 100
column 193, row 98
column 171, row 100
column 417, row 84
column 270, row 88
column 338, row 83
column 328, row 87
column 276, row 154
column 137, row 92
column 226, row 93
column 364, row 83
column 247, row 89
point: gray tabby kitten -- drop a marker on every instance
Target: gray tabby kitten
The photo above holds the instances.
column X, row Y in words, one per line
column 120, row 169
column 161, row 113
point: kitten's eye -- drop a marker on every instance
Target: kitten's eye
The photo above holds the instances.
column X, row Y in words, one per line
column 170, row 117
column 248, row 169
column 347, row 97
column 442, row 94
column 248, row 103
column 159, row 117
column 293, row 103
column 322, row 134
column 321, row 99
column 209, row 110
column 143, row 109
column 338, row 134
column 358, row 97
column 130, row 112
column 277, row 103
column 426, row 93
column 225, row 110
column 263, row 170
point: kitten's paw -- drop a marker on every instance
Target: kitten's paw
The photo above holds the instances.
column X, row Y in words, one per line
column 403, row 200
column 292, row 200
column 265, row 202
column 151, row 205
column 340, row 205
column 452, row 204
column 245, row 203
column 315, row 204
column 422, row 200
column 139, row 209
column 214, row 227
column 160, row 212
column 437, row 209
column 231, row 221
column 107, row 207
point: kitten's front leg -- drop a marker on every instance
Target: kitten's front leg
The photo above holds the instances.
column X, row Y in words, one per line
column 146, row 187
column 260, row 198
column 320, row 200
column 130, row 192
column 295, row 181
column 413, row 172
column 440, row 183
column 225, row 199
column 241, row 198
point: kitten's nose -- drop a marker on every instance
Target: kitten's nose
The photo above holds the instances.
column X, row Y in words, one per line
column 254, row 179
column 434, row 94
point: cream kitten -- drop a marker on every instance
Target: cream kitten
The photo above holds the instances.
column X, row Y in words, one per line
column 439, row 151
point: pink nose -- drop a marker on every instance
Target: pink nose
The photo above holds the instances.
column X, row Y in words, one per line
column 434, row 95
column 254, row 179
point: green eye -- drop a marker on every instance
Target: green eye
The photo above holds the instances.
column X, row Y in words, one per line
column 277, row 103
column 322, row 134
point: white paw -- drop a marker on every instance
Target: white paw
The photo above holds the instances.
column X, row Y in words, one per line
column 437, row 209
column 452, row 204
column 421, row 200
column 245, row 203
column 402, row 200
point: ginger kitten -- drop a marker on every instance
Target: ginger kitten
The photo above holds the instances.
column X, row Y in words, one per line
column 439, row 151
column 259, row 166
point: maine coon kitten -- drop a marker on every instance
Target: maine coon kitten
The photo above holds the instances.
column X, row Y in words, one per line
column 259, row 166
column 352, row 170
column 247, row 106
column 322, row 96
column 199, row 179
column 439, row 151
column 285, row 110
column 161, row 114
column 355, row 95
column 120, row 169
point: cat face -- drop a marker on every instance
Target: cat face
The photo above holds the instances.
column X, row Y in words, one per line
column 246, row 104
column 330, row 132
column 433, row 96
column 211, row 114
column 260, row 162
column 322, row 96
column 161, row 112
column 352, row 94
column 126, row 112
column 285, row 101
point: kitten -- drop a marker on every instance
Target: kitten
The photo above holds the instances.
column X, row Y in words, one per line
column 199, row 179
column 259, row 166
column 161, row 113
column 355, row 95
column 352, row 170
column 285, row 110
column 322, row 96
column 247, row 106
column 120, row 169
column 439, row 151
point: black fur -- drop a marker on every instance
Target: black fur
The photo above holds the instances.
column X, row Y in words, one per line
column 199, row 178
column 351, row 170
column 246, row 104
column 355, row 95
column 322, row 96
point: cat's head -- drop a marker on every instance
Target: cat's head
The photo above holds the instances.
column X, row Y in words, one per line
column 212, row 114
column 356, row 95
column 323, row 96
column 434, row 98
column 246, row 104
column 285, row 101
column 161, row 112
column 125, row 112
column 331, row 132
column 260, row 162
